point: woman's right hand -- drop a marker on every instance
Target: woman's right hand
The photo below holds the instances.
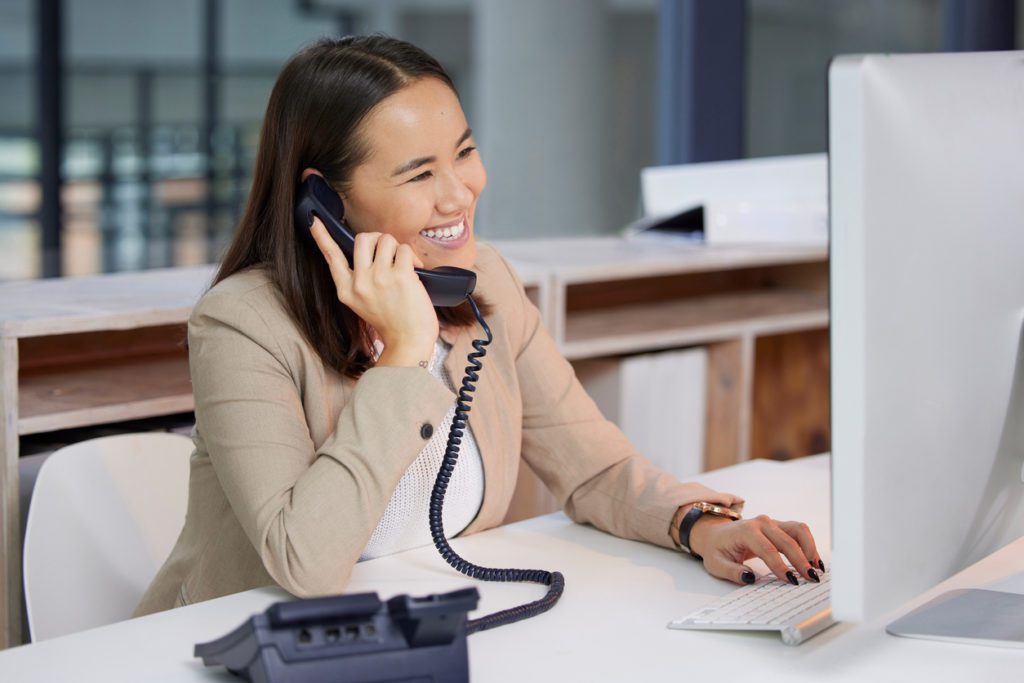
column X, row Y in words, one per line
column 382, row 288
column 725, row 545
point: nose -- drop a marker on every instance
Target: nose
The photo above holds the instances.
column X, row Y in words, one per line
column 454, row 196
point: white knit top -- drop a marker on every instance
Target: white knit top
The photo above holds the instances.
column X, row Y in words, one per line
column 404, row 524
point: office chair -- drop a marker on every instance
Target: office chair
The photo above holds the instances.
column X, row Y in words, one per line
column 104, row 515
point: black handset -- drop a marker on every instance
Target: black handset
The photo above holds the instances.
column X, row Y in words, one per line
column 446, row 285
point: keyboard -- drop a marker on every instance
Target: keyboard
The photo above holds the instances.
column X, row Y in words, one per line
column 768, row 604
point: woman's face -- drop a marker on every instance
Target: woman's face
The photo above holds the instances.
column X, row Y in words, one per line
column 423, row 174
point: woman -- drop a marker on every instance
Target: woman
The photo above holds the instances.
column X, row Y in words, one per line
column 324, row 393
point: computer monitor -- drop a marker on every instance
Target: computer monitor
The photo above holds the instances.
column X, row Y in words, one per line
column 926, row 182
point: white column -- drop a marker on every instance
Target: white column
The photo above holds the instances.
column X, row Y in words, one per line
column 541, row 71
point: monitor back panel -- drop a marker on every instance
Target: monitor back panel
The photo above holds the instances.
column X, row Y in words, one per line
column 927, row 296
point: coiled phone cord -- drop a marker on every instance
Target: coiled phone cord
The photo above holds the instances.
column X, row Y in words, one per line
column 554, row 580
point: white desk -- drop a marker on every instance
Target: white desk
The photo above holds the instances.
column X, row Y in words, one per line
column 609, row 626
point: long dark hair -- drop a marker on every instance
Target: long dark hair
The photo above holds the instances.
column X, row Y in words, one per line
column 320, row 97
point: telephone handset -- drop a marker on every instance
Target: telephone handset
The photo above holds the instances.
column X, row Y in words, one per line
column 446, row 286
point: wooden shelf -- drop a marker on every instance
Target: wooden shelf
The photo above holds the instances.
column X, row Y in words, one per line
column 109, row 390
column 682, row 322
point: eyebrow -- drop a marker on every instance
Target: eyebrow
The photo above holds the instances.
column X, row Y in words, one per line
column 416, row 163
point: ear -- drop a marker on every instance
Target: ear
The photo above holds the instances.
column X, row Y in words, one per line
column 311, row 171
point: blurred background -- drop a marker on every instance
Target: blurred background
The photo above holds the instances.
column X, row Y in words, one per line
column 143, row 117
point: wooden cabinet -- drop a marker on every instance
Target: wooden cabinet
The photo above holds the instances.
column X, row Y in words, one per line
column 85, row 351
column 761, row 312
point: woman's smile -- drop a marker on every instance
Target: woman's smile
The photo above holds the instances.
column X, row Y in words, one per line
column 448, row 236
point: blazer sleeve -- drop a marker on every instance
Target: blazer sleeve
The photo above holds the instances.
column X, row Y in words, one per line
column 590, row 466
column 307, row 509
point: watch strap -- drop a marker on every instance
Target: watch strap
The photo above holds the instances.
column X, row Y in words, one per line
column 685, row 526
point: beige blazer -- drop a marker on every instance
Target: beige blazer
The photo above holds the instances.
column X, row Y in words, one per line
column 294, row 464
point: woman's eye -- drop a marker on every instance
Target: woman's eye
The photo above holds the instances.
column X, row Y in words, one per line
column 426, row 174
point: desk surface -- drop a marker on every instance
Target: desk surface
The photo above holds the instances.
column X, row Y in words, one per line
column 609, row 626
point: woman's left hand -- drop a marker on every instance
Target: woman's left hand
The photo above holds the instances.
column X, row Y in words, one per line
column 725, row 545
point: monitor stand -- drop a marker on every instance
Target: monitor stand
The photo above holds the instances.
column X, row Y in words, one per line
column 971, row 616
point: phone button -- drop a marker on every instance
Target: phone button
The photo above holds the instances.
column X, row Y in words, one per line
column 427, row 430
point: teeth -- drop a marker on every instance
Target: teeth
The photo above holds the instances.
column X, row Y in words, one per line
column 449, row 233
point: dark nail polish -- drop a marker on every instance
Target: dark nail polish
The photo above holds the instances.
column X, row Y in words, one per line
column 792, row 578
column 821, row 564
column 748, row 576
column 813, row 574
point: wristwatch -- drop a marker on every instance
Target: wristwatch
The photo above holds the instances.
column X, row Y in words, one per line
column 691, row 517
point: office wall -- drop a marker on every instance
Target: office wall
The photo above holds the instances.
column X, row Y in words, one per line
column 789, row 44
column 542, row 116
column 566, row 111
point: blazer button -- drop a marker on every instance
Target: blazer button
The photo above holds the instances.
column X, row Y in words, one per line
column 426, row 431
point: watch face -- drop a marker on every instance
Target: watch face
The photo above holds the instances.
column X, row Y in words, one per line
column 717, row 510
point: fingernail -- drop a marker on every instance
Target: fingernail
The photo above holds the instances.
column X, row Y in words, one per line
column 821, row 564
column 792, row 578
column 748, row 576
column 813, row 574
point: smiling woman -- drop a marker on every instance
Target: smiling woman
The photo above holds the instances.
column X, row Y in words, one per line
column 324, row 391
column 422, row 182
column 418, row 188
column 381, row 121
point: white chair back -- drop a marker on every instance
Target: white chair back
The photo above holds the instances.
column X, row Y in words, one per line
column 104, row 516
